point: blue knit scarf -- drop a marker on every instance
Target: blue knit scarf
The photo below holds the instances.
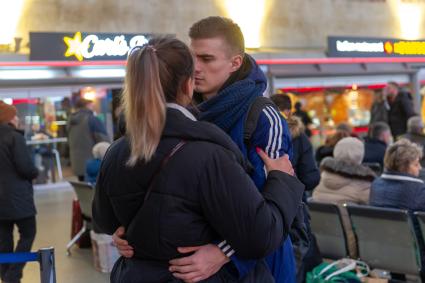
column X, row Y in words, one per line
column 232, row 103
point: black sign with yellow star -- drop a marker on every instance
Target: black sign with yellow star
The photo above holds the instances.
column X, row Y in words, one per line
column 79, row 46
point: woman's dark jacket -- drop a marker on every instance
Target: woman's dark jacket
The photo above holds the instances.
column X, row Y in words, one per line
column 16, row 173
column 398, row 190
column 201, row 196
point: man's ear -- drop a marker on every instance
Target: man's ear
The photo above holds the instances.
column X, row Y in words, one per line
column 237, row 61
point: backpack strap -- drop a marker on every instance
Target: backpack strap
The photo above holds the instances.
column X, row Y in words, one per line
column 254, row 112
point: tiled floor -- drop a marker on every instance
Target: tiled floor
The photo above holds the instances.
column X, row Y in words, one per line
column 53, row 229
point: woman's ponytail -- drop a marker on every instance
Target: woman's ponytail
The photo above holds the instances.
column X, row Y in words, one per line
column 144, row 104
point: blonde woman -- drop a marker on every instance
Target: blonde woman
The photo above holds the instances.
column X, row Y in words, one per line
column 175, row 182
column 399, row 186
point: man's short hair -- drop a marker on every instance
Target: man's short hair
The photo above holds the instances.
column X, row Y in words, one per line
column 400, row 155
column 415, row 125
column 377, row 128
column 219, row 27
column 282, row 101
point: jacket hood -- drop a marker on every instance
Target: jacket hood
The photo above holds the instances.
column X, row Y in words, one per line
column 296, row 126
column 347, row 169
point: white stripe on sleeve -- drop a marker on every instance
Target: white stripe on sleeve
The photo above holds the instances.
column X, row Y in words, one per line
column 230, row 253
column 279, row 132
column 271, row 133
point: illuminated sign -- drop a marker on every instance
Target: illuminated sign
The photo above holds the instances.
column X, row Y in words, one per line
column 83, row 46
column 374, row 47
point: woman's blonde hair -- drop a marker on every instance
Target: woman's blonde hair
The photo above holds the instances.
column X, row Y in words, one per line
column 155, row 74
column 400, row 155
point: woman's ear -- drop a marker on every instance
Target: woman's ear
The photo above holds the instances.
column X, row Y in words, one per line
column 188, row 86
column 186, row 91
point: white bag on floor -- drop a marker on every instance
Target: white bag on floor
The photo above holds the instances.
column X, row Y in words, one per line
column 104, row 252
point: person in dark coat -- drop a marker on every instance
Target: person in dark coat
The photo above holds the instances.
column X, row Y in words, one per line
column 16, row 192
column 401, row 109
column 303, row 157
column 327, row 149
column 399, row 185
column 379, row 137
column 415, row 134
column 84, row 131
column 305, row 118
column 306, row 170
column 380, row 108
column 184, row 174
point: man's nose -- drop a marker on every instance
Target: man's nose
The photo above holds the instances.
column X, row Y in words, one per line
column 197, row 69
column 197, row 66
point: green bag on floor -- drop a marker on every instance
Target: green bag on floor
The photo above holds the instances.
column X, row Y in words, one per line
column 343, row 271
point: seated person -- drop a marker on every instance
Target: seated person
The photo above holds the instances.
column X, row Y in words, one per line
column 93, row 165
column 327, row 149
column 345, row 180
column 376, row 142
column 415, row 133
column 303, row 157
column 399, row 186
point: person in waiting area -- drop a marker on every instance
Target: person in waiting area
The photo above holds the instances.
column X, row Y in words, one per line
column 376, row 142
column 415, row 134
column 345, row 180
column 16, row 193
column 171, row 171
column 84, row 131
column 327, row 149
column 305, row 118
column 401, row 108
column 93, row 165
column 303, row 156
column 306, row 170
column 399, row 185
column 380, row 108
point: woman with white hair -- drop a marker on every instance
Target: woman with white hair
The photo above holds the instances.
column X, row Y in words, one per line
column 93, row 165
column 345, row 180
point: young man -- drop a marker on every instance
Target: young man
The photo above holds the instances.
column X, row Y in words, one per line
column 227, row 81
